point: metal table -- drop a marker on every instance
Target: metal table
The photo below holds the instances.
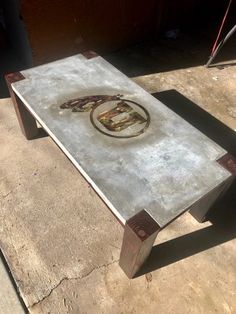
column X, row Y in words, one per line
column 147, row 164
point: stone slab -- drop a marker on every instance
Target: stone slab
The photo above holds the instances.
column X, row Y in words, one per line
column 164, row 170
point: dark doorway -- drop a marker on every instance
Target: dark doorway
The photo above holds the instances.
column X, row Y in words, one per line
column 15, row 52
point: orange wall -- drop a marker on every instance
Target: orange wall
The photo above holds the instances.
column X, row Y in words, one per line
column 59, row 28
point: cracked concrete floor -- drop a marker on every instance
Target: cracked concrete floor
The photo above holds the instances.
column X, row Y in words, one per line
column 62, row 243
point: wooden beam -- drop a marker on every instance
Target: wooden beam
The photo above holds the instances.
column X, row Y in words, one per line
column 139, row 235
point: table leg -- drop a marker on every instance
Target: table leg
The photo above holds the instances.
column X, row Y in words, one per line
column 26, row 121
column 200, row 209
column 139, row 235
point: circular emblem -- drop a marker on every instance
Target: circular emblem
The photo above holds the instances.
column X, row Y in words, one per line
column 120, row 118
column 112, row 115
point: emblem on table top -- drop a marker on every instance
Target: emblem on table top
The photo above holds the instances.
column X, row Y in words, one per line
column 112, row 115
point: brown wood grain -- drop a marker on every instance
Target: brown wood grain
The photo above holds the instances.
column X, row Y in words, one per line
column 59, row 28
column 26, row 121
column 139, row 235
column 89, row 54
column 228, row 162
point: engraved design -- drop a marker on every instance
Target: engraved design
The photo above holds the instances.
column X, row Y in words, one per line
column 84, row 104
column 117, row 119
column 125, row 112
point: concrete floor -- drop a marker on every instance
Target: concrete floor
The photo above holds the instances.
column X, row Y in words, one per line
column 9, row 301
column 9, row 62
column 62, row 243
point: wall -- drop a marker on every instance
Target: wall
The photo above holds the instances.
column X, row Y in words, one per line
column 58, row 28
column 17, row 38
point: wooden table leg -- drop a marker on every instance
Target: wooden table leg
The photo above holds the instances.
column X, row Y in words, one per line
column 200, row 209
column 90, row 54
column 139, row 235
column 26, row 121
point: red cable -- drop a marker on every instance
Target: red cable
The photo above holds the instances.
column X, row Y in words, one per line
column 221, row 27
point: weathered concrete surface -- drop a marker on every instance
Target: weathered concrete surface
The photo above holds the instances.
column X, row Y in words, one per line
column 40, row 199
column 63, row 244
column 212, row 89
column 165, row 170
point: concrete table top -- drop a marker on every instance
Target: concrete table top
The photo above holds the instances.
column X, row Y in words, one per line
column 164, row 170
